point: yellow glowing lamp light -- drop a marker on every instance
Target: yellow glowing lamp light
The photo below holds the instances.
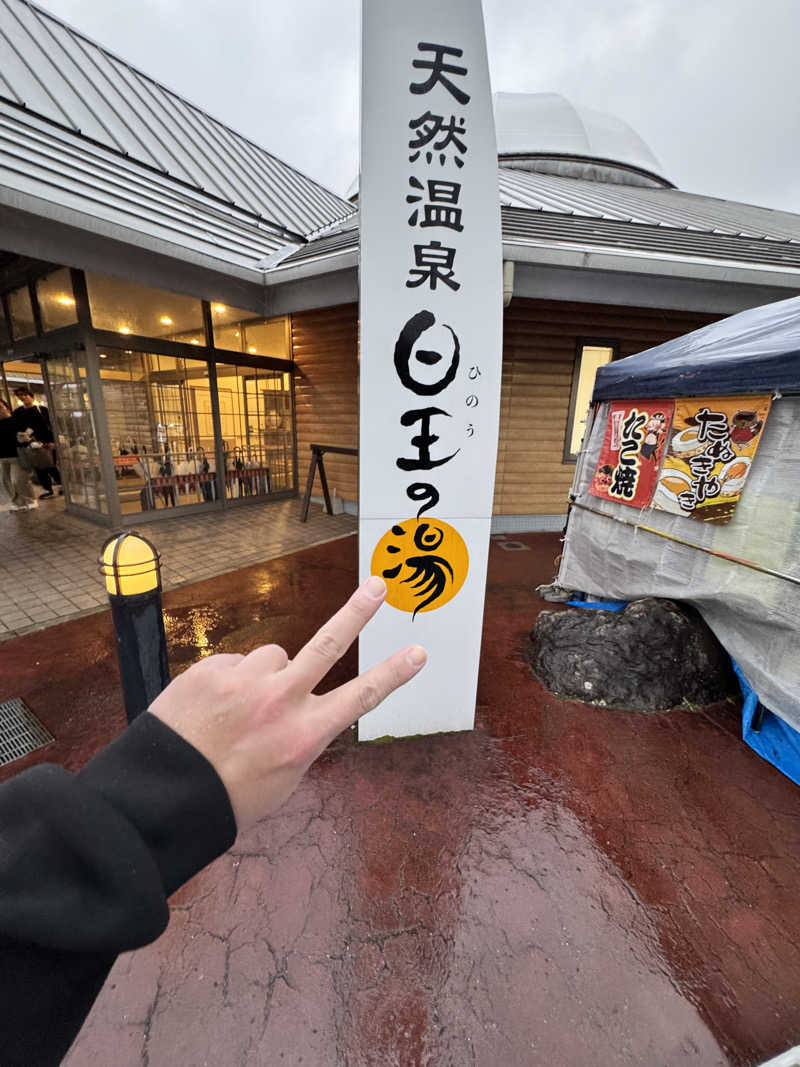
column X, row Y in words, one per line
column 130, row 565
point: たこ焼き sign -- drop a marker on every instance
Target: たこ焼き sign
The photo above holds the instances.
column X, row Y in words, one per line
column 634, row 443
column 431, row 335
column 712, row 445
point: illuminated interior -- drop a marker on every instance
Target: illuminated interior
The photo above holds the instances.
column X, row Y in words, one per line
column 160, row 420
column 200, row 428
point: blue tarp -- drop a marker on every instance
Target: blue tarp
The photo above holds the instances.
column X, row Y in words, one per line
column 599, row 605
column 774, row 740
column 756, row 351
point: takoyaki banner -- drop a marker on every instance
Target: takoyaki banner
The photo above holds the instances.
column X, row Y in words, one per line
column 688, row 456
column 636, row 433
column 431, row 344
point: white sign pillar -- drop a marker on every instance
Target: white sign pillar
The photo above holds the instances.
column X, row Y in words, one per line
column 431, row 349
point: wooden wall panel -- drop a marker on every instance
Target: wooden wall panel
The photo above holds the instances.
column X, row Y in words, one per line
column 539, row 344
column 325, row 351
column 540, row 338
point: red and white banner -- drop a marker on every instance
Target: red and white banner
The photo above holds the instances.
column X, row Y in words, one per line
column 630, row 460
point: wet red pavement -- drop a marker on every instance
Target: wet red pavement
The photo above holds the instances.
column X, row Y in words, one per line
column 564, row 886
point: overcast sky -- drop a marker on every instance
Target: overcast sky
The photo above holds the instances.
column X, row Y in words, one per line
column 710, row 85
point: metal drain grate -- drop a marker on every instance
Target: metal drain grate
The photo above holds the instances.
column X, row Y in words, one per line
column 20, row 731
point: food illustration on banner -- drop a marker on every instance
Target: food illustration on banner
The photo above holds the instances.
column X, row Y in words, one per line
column 712, row 445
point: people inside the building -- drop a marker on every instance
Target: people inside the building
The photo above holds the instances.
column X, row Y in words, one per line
column 205, row 468
column 89, row 860
column 166, row 470
column 17, row 492
column 35, row 442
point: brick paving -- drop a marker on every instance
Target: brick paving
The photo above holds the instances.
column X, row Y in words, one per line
column 48, row 559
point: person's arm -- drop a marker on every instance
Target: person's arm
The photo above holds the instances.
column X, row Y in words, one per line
column 19, row 416
column 87, row 861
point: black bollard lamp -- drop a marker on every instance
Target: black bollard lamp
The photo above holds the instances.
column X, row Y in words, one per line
column 131, row 566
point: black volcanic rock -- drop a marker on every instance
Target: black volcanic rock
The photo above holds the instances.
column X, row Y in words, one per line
column 654, row 655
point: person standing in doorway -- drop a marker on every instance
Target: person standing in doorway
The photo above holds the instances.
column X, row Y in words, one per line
column 15, row 481
column 35, row 443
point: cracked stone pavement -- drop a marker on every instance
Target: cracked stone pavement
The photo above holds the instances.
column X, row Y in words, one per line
column 564, row 886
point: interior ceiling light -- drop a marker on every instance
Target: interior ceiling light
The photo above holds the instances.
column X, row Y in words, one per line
column 124, row 329
column 251, row 348
column 165, row 320
column 218, row 307
column 102, row 355
column 195, row 341
column 67, row 301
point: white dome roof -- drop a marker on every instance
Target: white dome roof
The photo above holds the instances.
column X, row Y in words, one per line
column 548, row 125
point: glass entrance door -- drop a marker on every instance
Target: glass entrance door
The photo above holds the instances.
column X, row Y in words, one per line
column 255, row 410
column 161, row 427
column 77, row 454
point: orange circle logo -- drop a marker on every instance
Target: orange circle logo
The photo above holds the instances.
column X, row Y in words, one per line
column 423, row 562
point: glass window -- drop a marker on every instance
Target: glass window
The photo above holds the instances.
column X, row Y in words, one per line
column 255, row 408
column 56, row 300
column 128, row 308
column 162, row 434
column 78, row 456
column 245, row 331
column 19, row 307
column 590, row 359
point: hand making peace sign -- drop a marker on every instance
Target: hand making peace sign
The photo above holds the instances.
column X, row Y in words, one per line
column 256, row 719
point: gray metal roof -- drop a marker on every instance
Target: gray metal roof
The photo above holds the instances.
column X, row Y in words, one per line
column 520, row 224
column 53, row 72
column 667, row 208
column 344, row 238
column 42, row 161
column 546, row 209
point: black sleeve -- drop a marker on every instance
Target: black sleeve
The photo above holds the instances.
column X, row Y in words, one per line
column 87, row 862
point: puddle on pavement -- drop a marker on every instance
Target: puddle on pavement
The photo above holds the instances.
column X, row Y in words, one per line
column 193, row 629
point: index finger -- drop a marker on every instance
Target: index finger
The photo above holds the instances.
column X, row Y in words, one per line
column 332, row 640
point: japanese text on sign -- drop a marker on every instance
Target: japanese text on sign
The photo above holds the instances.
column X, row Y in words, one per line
column 634, row 443
column 712, row 444
column 430, row 282
column 435, row 204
